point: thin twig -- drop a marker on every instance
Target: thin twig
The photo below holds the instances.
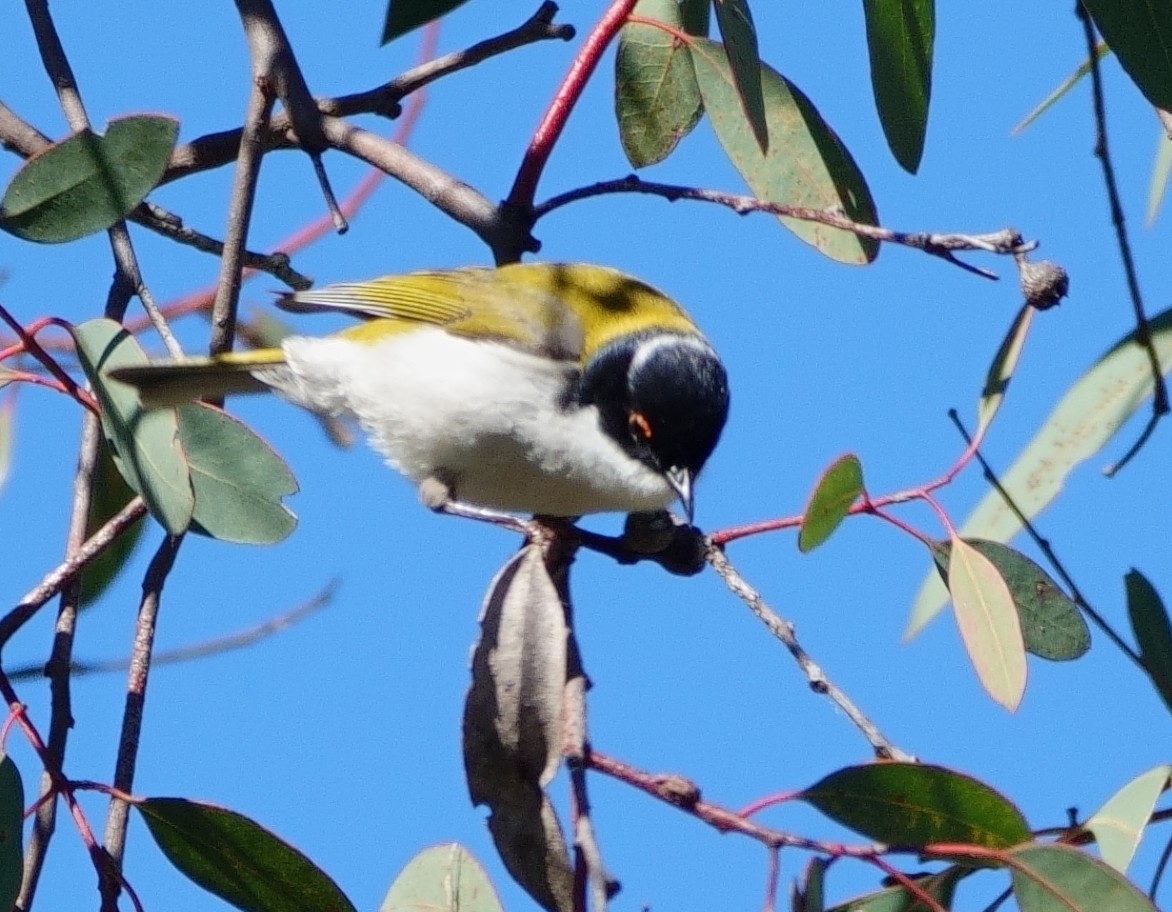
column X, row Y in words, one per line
column 1143, row 330
column 819, row 682
column 260, row 103
column 228, row 643
column 1006, row 241
column 128, row 741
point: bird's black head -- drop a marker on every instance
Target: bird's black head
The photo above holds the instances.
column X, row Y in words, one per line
column 664, row 397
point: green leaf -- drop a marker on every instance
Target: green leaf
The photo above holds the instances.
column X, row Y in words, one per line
column 1002, row 368
column 916, row 804
column 86, row 183
column 1090, row 413
column 444, row 878
column 740, row 48
column 1058, row 878
column 1161, row 168
column 406, row 15
column 11, row 821
column 238, row 860
column 1153, row 631
column 696, row 16
column 900, row 35
column 834, row 494
column 1101, row 51
column 657, row 101
column 1119, row 824
column 110, row 494
column 1052, row 627
column 238, row 480
column 940, row 887
column 806, row 165
column 144, row 444
column 1140, row 34
column 988, row 623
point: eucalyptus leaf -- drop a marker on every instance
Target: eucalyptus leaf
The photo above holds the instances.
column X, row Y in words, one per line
column 237, row 859
column 443, row 878
column 657, row 101
column 404, row 16
column 87, row 182
column 1140, row 34
column 144, row 443
column 1059, row 878
column 239, row 482
column 806, row 165
column 833, row 496
column 900, row 37
column 1080, row 425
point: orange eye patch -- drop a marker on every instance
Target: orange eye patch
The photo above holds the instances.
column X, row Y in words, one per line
column 639, row 425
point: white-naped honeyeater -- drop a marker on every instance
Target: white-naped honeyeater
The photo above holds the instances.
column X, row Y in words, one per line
column 554, row 389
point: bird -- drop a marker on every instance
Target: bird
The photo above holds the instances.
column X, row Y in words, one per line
column 554, row 389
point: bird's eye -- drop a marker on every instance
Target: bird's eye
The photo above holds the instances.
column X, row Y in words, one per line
column 639, row 425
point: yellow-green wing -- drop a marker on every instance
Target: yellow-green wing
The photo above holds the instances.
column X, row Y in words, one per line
column 553, row 309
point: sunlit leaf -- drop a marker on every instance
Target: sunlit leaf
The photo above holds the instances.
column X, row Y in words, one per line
column 1090, row 413
column 1119, row 824
column 1161, row 167
column 740, row 47
column 406, row 15
column 1059, row 878
column 144, row 444
column 1003, row 366
column 916, row 804
column 237, row 859
column 1052, row 627
column 1153, row 631
column 657, row 101
column 11, row 820
column 1101, row 51
column 900, row 36
column 443, row 878
column 1140, row 34
column 87, row 182
column 7, row 436
column 834, row 494
column 988, row 623
column 806, row 165
column 239, row 481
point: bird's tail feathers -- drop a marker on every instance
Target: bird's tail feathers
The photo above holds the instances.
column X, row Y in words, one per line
column 167, row 383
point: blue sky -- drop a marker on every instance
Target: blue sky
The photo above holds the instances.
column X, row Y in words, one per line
column 342, row 734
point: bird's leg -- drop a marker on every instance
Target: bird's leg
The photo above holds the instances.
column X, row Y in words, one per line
column 437, row 494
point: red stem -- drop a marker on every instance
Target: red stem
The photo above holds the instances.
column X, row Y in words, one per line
column 567, row 95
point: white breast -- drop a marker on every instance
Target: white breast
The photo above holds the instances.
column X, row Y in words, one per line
column 484, row 416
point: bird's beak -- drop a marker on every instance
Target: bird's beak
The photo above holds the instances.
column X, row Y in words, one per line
column 681, row 482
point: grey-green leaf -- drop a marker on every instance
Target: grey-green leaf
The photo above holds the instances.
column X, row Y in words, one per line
column 87, row 182
column 806, row 165
column 443, row 878
column 237, row 859
column 1140, row 34
column 900, row 36
column 145, row 444
column 405, row 15
column 1059, row 878
column 657, row 101
column 238, row 480
column 740, row 47
column 110, row 494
